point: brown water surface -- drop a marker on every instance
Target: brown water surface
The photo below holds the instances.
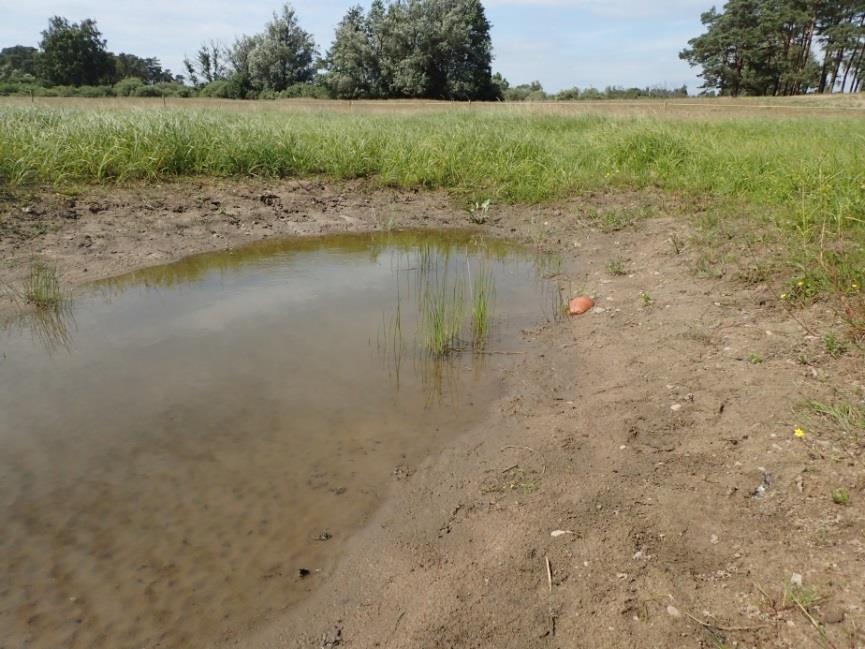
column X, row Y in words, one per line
column 177, row 444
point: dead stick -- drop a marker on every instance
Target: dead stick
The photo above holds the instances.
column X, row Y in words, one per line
column 549, row 574
column 821, row 632
column 709, row 625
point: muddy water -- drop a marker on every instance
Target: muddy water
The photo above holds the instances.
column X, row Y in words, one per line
column 178, row 444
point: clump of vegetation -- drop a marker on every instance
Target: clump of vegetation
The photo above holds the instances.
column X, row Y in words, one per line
column 42, row 287
column 841, row 496
column 646, row 299
column 805, row 288
column 616, row 219
column 483, row 293
column 846, row 415
column 800, row 596
column 758, row 273
column 455, row 301
column 478, row 212
column 616, row 267
column 834, row 346
column 677, row 243
column 442, row 313
column 755, row 358
column 513, row 479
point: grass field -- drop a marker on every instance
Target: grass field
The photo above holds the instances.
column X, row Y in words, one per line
column 798, row 176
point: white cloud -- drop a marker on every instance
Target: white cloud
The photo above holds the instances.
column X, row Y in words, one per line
column 627, row 9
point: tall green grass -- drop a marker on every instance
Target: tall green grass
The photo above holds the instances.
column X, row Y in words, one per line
column 483, row 290
column 526, row 158
column 803, row 175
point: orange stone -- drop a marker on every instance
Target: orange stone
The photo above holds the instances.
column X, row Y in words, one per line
column 579, row 305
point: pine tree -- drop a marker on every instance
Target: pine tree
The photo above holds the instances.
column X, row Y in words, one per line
column 768, row 47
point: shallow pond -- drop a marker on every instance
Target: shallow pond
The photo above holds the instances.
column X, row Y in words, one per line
column 179, row 445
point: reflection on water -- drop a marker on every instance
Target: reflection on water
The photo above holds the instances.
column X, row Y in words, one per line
column 216, row 425
column 52, row 327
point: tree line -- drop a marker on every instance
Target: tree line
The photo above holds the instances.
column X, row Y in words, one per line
column 432, row 49
column 73, row 55
column 781, row 47
column 534, row 91
column 441, row 49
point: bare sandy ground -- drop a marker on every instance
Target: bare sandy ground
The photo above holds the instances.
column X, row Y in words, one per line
column 638, row 484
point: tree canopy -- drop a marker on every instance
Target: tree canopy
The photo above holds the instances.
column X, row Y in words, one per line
column 439, row 49
column 781, row 47
column 73, row 54
column 280, row 57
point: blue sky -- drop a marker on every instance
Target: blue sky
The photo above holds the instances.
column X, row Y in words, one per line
column 561, row 43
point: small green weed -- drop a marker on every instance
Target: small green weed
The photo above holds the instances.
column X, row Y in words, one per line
column 646, row 299
column 515, row 478
column 848, row 416
column 478, row 212
column 755, row 358
column 708, row 265
column 617, row 218
column 834, row 346
column 616, row 267
column 801, row 596
column 755, row 274
column 841, row 496
column 805, row 289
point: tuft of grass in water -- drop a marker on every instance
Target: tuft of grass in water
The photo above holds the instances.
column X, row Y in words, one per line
column 442, row 305
column 42, row 287
column 483, row 293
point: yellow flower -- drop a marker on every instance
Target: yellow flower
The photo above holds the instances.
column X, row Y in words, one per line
column 854, row 285
column 800, row 283
column 783, row 296
column 798, row 432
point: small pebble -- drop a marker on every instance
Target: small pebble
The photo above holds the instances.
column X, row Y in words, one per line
column 833, row 615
